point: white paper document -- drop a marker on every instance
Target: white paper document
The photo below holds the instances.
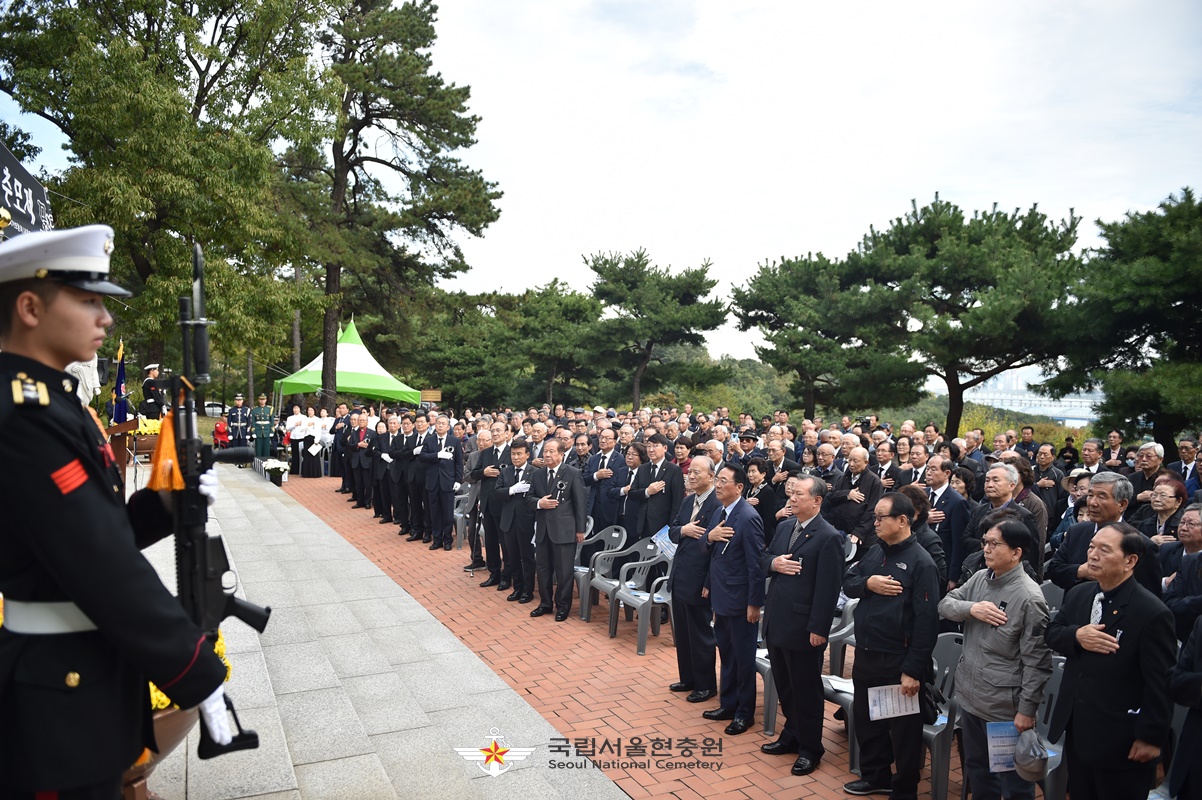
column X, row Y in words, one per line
column 664, row 542
column 314, row 449
column 1003, row 740
column 885, row 702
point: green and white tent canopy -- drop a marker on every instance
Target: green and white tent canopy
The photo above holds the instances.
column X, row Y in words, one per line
column 358, row 373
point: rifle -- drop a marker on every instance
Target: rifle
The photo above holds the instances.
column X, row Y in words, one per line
column 201, row 563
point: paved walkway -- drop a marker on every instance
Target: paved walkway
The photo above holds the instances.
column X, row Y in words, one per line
column 382, row 657
column 355, row 688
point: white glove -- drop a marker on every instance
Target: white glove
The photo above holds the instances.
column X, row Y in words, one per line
column 417, row 451
column 216, row 718
column 445, row 454
column 209, row 485
column 519, row 488
column 457, row 487
column 386, row 458
column 251, row 437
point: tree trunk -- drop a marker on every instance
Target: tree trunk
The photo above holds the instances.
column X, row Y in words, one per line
column 250, row 378
column 636, row 387
column 551, row 389
column 955, row 410
column 811, row 404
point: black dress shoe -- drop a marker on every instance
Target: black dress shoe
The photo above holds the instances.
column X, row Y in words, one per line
column 476, row 564
column 700, row 696
column 538, row 612
column 375, row 516
column 738, row 726
column 343, row 491
column 719, row 713
column 514, row 595
column 351, row 500
column 447, row 547
column 681, row 687
column 804, row 765
column 436, row 546
column 503, row 585
column 779, row 748
column 663, row 616
column 493, row 580
column 385, row 522
column 525, row 598
column 863, row 788
column 560, row 616
column 427, row 538
column 360, row 505
column 413, row 537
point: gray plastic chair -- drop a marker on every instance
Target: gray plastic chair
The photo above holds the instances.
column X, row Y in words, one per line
column 613, row 538
column 602, row 565
column 1055, row 783
column 461, row 508
column 938, row 738
column 636, row 601
column 838, row 690
column 842, row 635
column 1054, row 596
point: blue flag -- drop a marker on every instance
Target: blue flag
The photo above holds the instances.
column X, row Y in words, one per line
column 119, row 393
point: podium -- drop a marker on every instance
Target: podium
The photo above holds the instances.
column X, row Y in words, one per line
column 119, row 441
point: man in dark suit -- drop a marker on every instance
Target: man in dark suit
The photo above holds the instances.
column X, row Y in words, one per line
column 338, row 429
column 358, row 444
column 443, row 457
column 516, row 519
column 885, row 469
column 558, row 497
column 736, row 590
column 779, row 469
column 381, row 446
column 1185, row 773
column 399, row 429
column 1109, row 494
column 1187, row 451
column 918, row 466
column 487, row 470
column 661, row 484
column 804, row 565
column 1114, row 702
column 415, row 477
column 606, row 469
column 849, row 504
column 691, row 610
column 948, row 516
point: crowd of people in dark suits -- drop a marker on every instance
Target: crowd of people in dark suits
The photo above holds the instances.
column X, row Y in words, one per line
column 926, row 533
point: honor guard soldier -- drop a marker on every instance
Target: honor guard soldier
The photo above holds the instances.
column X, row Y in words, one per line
column 87, row 622
column 263, row 421
column 154, row 399
column 240, row 425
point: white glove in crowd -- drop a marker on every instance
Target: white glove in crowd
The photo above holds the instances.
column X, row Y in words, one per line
column 519, row 488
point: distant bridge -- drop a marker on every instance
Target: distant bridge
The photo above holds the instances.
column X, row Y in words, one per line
column 1073, row 407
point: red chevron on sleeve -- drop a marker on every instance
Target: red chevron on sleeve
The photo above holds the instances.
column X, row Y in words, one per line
column 70, row 477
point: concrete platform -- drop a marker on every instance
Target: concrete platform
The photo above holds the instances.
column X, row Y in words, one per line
column 355, row 689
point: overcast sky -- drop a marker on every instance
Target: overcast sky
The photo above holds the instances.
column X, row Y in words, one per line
column 741, row 132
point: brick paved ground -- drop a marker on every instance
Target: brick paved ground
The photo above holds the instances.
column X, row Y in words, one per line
column 584, row 683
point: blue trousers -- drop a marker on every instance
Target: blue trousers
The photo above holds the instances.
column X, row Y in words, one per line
column 736, row 647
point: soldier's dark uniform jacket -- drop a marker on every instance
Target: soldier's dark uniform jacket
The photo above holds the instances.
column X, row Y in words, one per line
column 75, row 707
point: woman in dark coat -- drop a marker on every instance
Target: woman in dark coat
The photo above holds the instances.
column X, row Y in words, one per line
column 759, row 493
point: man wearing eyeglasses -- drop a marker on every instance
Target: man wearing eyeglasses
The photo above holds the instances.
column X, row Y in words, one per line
column 897, row 623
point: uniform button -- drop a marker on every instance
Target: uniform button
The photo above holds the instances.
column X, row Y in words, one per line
column 72, row 680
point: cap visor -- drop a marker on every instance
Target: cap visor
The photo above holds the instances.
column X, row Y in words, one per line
column 100, row 287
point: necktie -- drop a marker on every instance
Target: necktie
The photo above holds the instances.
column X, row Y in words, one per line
column 362, row 433
column 653, row 473
column 440, row 442
column 1095, row 612
column 604, row 461
column 931, row 497
column 551, row 478
column 696, row 509
column 498, row 456
column 798, row 528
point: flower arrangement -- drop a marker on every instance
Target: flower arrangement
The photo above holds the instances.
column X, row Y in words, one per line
column 274, row 466
column 149, row 427
column 159, row 701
